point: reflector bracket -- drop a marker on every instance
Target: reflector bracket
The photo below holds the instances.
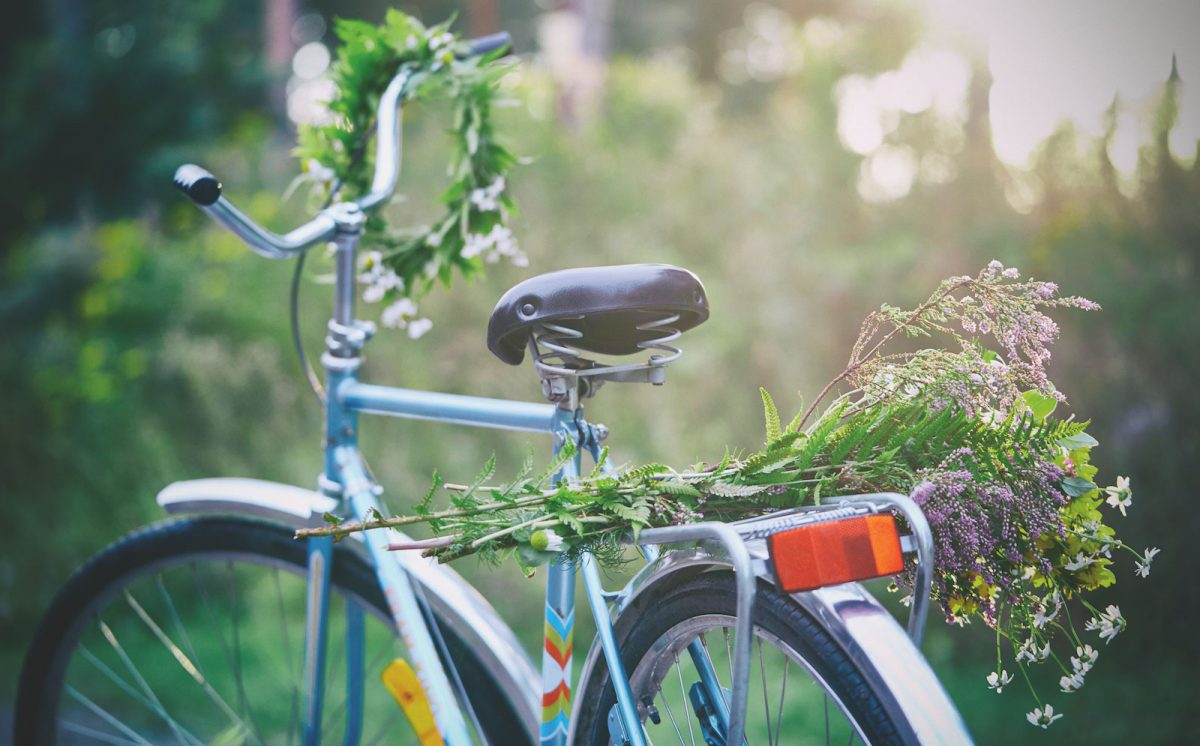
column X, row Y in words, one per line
column 835, row 552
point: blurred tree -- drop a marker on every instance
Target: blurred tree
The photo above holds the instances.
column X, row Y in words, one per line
column 97, row 94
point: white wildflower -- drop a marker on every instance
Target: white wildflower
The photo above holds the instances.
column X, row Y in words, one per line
column 476, row 244
column 1068, row 684
column 1143, row 568
column 546, row 540
column 438, row 41
column 1120, row 496
column 998, row 681
column 1011, row 273
column 418, row 327
column 1079, row 562
column 1025, row 654
column 1111, row 623
column 1084, row 658
column 318, row 172
column 1042, row 717
column 397, row 315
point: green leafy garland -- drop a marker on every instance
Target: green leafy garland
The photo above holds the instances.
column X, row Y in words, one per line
column 338, row 158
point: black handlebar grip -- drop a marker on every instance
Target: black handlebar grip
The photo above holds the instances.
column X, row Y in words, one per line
column 200, row 185
column 490, row 43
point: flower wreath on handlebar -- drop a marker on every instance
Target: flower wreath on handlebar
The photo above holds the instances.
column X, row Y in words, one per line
column 405, row 263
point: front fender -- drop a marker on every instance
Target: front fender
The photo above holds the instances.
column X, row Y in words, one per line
column 467, row 612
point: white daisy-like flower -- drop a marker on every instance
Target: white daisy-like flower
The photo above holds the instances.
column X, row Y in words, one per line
column 1143, row 568
column 546, row 540
column 1068, row 684
column 418, row 327
column 1120, row 496
column 1042, row 717
column 998, row 681
column 1111, row 623
column 1079, row 562
column 397, row 315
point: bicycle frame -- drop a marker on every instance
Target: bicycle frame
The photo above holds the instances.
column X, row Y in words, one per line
column 346, row 486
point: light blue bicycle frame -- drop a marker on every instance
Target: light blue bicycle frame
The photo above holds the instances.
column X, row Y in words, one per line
column 347, row 478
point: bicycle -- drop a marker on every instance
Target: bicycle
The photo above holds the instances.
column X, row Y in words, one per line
column 699, row 613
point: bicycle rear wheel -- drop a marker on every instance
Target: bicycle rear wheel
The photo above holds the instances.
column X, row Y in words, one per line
column 192, row 631
column 804, row 689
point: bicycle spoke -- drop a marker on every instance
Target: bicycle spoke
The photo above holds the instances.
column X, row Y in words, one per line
column 235, row 605
column 826, row 698
column 216, row 626
column 92, row 733
column 779, row 712
column 104, row 715
column 186, row 663
column 687, row 707
column 728, row 652
column 114, row 677
column 155, row 705
column 766, row 707
column 290, row 659
column 667, row 703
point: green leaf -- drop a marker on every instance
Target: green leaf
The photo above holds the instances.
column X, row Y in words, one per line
column 1076, row 486
column 771, row 415
column 1080, row 440
column 332, row 519
column 1040, row 405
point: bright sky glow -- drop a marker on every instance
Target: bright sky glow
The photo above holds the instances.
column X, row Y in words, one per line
column 1067, row 59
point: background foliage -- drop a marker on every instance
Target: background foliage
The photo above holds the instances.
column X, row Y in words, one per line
column 140, row 346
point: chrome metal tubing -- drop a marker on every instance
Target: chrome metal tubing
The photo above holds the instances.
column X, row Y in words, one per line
column 264, row 242
column 450, row 408
column 739, row 558
column 387, row 142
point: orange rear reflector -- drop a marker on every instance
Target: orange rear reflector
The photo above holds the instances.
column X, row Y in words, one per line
column 836, row 552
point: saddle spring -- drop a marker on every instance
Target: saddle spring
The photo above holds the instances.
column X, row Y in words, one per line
column 553, row 355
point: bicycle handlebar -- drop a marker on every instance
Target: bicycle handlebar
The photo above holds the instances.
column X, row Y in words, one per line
column 205, row 189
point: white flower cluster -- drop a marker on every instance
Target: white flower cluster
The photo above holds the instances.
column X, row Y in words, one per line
column 497, row 243
column 1109, row 624
column 1082, row 662
column 1029, row 652
column 487, row 199
column 378, row 281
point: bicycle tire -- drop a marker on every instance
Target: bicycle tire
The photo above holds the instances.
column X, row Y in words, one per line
column 653, row 632
column 246, row 547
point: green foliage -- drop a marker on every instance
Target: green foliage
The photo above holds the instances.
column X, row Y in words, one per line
column 476, row 204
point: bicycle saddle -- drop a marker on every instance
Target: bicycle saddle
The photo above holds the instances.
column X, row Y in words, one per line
column 604, row 304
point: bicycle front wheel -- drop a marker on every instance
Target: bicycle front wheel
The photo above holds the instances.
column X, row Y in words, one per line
column 192, row 631
column 804, row 689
